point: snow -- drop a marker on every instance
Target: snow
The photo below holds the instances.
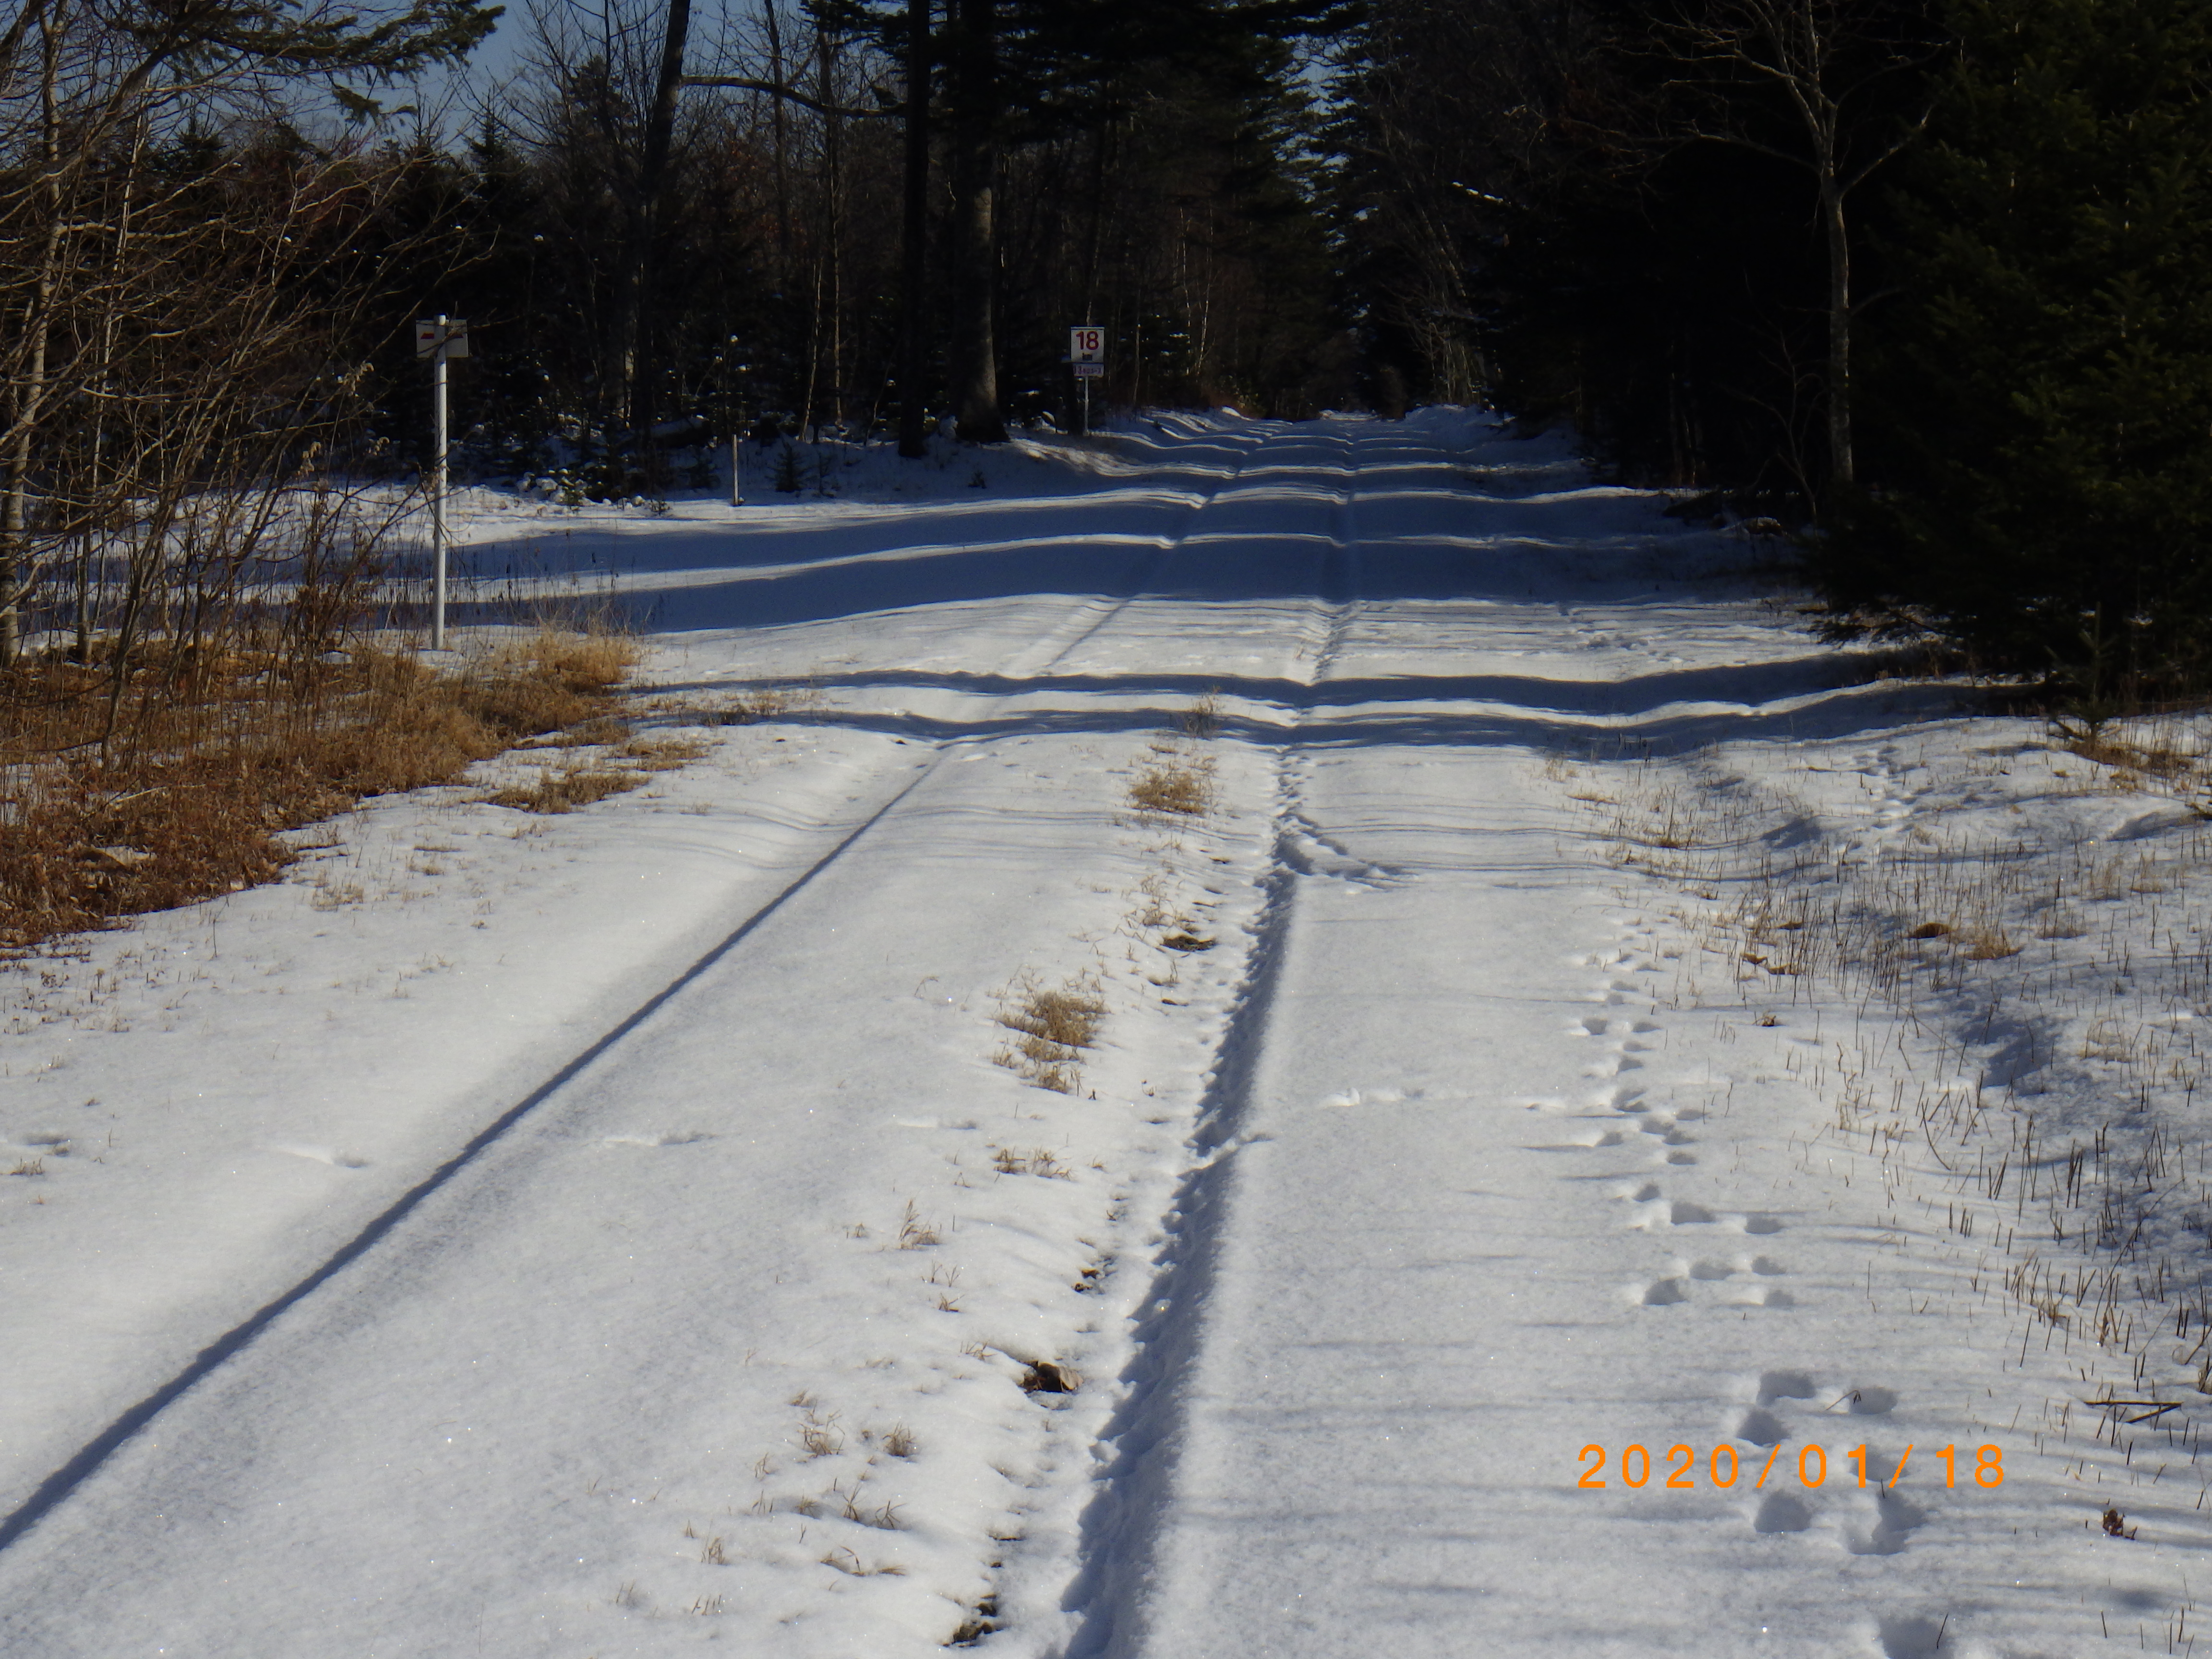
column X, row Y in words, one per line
column 614, row 1234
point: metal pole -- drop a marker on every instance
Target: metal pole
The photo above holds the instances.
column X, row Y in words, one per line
column 1087, row 405
column 438, row 490
column 737, row 470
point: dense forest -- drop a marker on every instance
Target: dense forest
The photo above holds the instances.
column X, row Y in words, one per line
column 1921, row 279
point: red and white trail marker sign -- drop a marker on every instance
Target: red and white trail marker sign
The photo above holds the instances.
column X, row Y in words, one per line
column 1086, row 343
column 451, row 332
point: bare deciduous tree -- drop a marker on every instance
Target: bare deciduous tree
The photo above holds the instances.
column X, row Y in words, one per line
column 1816, row 84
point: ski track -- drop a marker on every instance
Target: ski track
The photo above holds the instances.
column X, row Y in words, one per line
column 1424, row 1182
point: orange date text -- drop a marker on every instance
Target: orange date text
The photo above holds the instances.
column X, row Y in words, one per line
column 1683, row 1468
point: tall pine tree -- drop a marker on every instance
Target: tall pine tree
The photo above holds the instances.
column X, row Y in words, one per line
column 2044, row 411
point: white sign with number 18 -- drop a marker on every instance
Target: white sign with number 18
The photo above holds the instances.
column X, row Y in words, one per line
column 1086, row 343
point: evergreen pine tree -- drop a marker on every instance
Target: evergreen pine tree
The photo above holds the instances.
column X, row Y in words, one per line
column 2045, row 412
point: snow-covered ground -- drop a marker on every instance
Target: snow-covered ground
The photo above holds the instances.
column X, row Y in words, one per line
column 619, row 1233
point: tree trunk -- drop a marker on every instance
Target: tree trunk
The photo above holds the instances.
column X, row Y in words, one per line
column 1839, row 334
column 26, row 406
column 833, row 146
column 781, row 119
column 913, row 251
column 974, row 168
column 651, row 183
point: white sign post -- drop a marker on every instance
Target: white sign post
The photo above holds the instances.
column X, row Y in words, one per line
column 1086, row 352
column 441, row 338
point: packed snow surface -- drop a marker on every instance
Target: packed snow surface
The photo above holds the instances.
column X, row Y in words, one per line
column 1590, row 1032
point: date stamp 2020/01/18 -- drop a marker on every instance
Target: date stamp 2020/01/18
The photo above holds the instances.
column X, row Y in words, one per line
column 1720, row 1468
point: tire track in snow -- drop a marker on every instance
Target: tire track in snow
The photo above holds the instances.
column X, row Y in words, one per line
column 57, row 1487
column 1142, row 586
column 1120, row 1525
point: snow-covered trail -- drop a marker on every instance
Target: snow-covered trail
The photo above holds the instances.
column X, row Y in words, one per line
column 680, row 1268
column 292, row 1348
column 1422, row 1294
column 1406, row 1292
column 94, row 1342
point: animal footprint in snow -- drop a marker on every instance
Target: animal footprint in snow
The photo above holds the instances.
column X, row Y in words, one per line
column 1761, row 1428
column 1710, row 1270
column 1767, row 1266
column 1894, row 1518
column 1591, row 1026
column 1784, row 1385
column 1912, row 1638
column 1781, row 1512
column 1682, row 1213
column 1664, row 1293
column 1761, row 1224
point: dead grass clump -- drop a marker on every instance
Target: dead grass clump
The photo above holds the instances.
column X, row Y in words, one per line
column 1987, row 944
column 1037, row 1161
column 1202, row 720
column 1067, row 1018
column 1056, row 1024
column 565, row 790
column 745, row 709
column 166, row 778
column 2155, row 756
column 2060, row 920
column 660, row 754
column 914, row 1233
column 1174, row 786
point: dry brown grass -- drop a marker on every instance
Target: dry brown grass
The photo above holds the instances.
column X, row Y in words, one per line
column 914, row 1233
column 169, row 782
column 1173, row 784
column 1037, row 1161
column 1178, row 781
column 1055, row 1026
column 660, row 754
column 566, row 789
column 1202, row 720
